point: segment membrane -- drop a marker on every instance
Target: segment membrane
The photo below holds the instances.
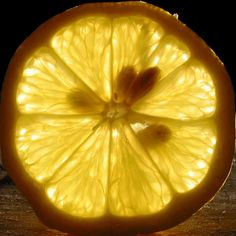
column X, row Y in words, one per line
column 187, row 93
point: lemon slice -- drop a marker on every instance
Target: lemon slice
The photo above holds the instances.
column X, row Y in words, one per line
column 117, row 119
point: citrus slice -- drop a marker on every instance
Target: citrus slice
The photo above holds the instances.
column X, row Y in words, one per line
column 116, row 119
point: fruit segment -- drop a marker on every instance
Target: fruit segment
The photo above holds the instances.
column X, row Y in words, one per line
column 85, row 47
column 186, row 94
column 135, row 184
column 169, row 55
column 48, row 86
column 182, row 151
column 45, row 143
column 140, row 40
column 79, row 186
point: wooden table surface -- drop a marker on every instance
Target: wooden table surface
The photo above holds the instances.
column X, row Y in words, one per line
column 216, row 218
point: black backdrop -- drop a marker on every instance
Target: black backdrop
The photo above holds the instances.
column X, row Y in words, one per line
column 213, row 20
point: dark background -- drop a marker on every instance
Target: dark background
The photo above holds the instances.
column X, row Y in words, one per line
column 214, row 21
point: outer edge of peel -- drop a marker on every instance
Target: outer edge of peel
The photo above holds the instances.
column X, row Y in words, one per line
column 30, row 188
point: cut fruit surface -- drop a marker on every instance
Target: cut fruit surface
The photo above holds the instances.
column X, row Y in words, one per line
column 117, row 119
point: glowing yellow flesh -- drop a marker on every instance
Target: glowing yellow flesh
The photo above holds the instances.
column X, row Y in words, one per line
column 185, row 158
column 85, row 47
column 47, row 84
column 187, row 93
column 135, row 184
column 45, row 143
column 92, row 160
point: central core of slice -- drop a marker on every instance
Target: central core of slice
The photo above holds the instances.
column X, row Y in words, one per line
column 116, row 110
column 129, row 87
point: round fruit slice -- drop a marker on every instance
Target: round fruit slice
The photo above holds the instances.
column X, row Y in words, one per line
column 116, row 119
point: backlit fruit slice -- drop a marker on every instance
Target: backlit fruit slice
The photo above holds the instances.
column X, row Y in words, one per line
column 116, row 119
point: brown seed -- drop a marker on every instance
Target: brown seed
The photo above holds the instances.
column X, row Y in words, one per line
column 84, row 102
column 154, row 134
column 125, row 79
column 143, row 83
